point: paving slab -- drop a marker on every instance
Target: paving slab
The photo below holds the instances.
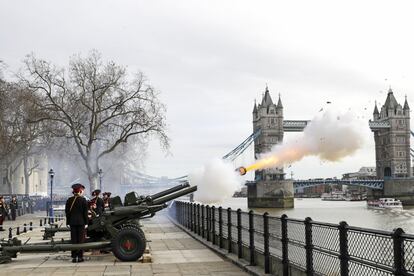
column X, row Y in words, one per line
column 173, row 252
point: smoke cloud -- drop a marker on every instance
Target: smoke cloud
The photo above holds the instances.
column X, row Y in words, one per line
column 329, row 137
column 215, row 182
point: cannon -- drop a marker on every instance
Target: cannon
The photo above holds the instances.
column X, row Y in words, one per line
column 116, row 229
column 131, row 199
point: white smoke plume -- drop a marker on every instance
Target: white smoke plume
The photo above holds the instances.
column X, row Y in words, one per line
column 329, row 137
column 215, row 182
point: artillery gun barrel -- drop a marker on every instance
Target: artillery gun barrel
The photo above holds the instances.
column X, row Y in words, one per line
column 56, row 247
column 170, row 190
column 175, row 195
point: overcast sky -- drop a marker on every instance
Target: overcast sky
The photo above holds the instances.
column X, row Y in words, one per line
column 211, row 59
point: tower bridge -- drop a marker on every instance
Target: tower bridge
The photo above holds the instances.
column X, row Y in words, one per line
column 392, row 132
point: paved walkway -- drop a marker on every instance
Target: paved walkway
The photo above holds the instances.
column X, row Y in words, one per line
column 173, row 253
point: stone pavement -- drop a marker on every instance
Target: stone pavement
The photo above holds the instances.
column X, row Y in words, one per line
column 173, row 253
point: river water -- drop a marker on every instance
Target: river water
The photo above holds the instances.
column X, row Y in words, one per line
column 355, row 213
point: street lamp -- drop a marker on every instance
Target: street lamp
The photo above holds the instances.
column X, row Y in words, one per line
column 100, row 173
column 51, row 175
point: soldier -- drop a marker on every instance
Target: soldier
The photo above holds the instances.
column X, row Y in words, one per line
column 100, row 206
column 3, row 212
column 77, row 218
column 107, row 199
column 13, row 207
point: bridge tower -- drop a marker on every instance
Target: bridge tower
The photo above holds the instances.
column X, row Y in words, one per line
column 270, row 189
column 268, row 117
column 391, row 127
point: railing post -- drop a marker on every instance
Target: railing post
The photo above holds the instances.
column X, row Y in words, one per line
column 18, row 230
column 266, row 242
column 399, row 264
column 308, row 246
column 220, row 210
column 343, row 248
column 188, row 216
column 31, row 226
column 198, row 220
column 285, row 242
column 10, row 233
column 229, row 242
column 213, row 222
column 251, row 237
column 208, row 222
column 194, row 218
column 182, row 213
column 24, row 228
column 239, row 234
column 44, row 223
column 193, row 228
column 202, row 221
column 185, row 214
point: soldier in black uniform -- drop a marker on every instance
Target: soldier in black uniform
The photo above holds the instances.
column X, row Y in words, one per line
column 107, row 199
column 3, row 212
column 99, row 202
column 13, row 207
column 77, row 218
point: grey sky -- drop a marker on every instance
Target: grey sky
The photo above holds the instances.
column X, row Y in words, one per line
column 211, row 59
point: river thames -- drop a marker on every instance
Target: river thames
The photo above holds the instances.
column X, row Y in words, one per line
column 355, row 213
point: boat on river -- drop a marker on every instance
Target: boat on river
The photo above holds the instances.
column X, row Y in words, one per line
column 334, row 196
column 385, row 203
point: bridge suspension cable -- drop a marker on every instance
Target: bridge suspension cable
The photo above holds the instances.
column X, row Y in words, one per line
column 237, row 151
column 233, row 154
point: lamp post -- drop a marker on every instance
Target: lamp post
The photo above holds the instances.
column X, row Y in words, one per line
column 100, row 173
column 51, row 175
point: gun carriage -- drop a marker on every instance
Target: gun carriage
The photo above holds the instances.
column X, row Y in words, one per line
column 117, row 229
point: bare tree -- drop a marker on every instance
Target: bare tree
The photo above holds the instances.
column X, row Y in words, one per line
column 96, row 105
column 19, row 139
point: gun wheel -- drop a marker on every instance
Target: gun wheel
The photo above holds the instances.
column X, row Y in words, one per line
column 132, row 225
column 129, row 244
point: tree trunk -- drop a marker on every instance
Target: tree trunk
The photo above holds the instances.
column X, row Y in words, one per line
column 26, row 175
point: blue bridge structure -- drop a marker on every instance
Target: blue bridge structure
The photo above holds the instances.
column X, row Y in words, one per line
column 370, row 183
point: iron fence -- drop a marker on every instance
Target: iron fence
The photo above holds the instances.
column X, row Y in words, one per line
column 317, row 248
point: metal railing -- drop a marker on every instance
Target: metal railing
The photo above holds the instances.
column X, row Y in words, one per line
column 316, row 248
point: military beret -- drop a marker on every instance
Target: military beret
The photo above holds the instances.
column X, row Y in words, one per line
column 77, row 187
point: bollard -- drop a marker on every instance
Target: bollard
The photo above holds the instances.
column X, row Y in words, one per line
column 44, row 223
column 239, row 235
column 49, row 220
column 10, row 233
column 251, row 238
column 40, row 223
column 220, row 211
column 213, row 226
column 202, row 221
column 18, row 230
column 31, row 226
column 266, row 242
column 25, row 228
column 229, row 244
